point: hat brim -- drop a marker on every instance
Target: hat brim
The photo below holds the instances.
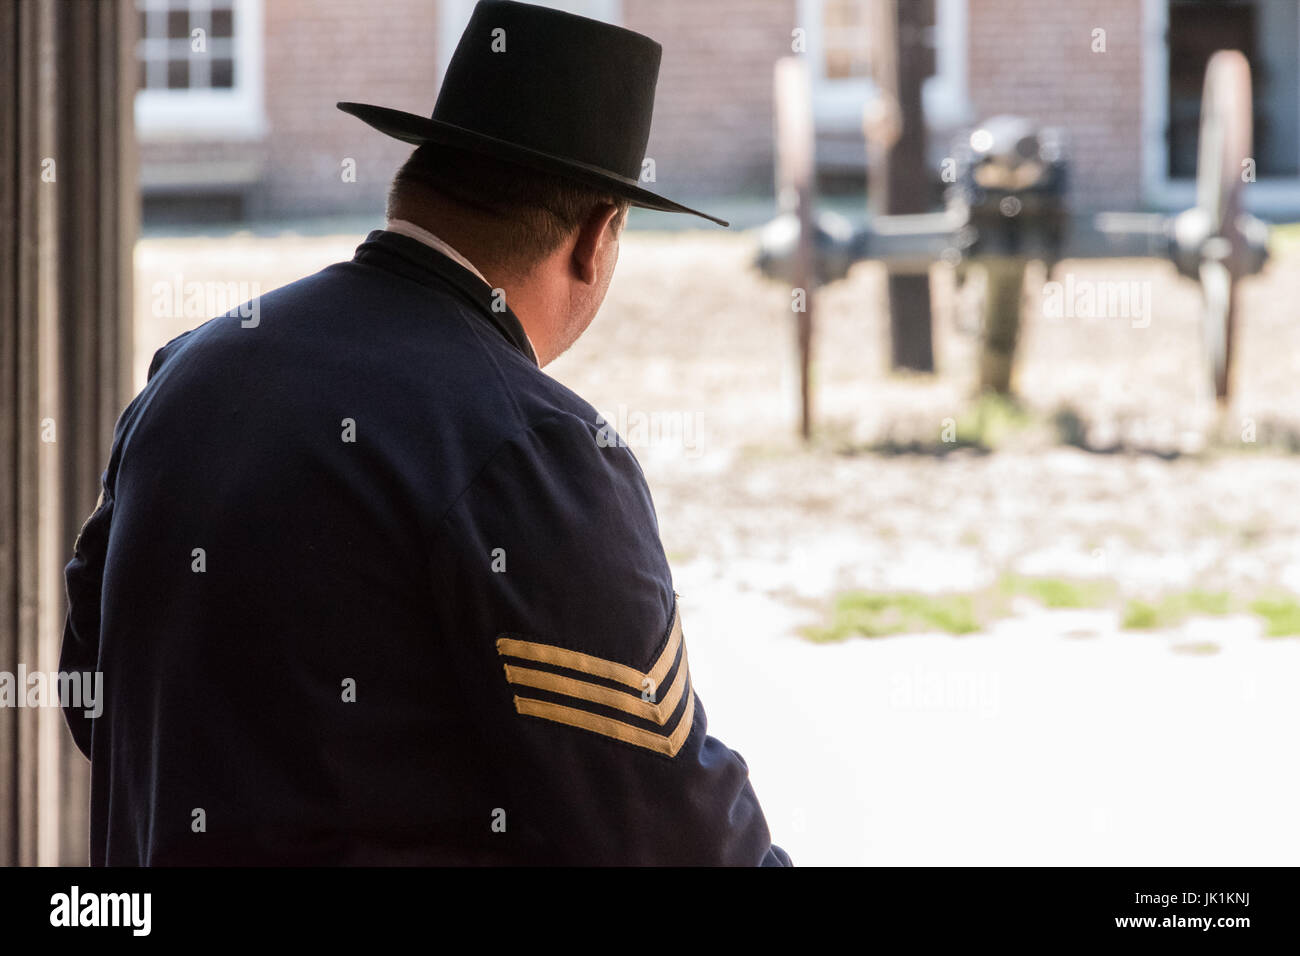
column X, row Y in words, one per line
column 418, row 130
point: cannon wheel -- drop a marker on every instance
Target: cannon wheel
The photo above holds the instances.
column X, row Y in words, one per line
column 795, row 192
column 1224, row 143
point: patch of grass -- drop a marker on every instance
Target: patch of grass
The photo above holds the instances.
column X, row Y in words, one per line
column 868, row 614
column 1173, row 609
column 879, row 614
column 1140, row 616
column 1059, row 592
column 991, row 420
column 1213, row 603
column 1281, row 615
column 985, row 424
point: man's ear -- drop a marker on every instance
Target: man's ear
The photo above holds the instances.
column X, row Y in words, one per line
column 592, row 236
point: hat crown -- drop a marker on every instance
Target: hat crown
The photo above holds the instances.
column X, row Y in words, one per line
column 553, row 82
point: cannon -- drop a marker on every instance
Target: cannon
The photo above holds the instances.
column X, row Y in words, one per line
column 1005, row 206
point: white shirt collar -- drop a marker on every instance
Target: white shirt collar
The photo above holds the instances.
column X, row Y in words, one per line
column 412, row 231
column 409, row 229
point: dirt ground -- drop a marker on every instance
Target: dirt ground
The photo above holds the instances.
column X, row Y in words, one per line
column 1050, row 736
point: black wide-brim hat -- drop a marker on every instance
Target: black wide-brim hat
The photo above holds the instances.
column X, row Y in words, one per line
column 548, row 90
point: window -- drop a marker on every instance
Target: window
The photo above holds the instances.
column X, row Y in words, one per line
column 1266, row 32
column 840, row 43
column 200, row 68
column 846, row 40
column 1179, row 36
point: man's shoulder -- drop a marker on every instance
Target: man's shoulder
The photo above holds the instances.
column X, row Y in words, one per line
column 420, row 363
column 546, row 402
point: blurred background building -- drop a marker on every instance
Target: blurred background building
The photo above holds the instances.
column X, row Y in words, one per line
column 249, row 130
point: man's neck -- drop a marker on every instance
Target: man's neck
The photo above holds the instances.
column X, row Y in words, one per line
column 405, row 227
column 517, row 303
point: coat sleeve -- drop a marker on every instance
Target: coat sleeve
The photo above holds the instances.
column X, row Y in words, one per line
column 84, row 577
column 556, row 604
column 84, row 574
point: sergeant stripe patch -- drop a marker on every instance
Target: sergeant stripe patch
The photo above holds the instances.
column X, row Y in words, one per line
column 581, row 690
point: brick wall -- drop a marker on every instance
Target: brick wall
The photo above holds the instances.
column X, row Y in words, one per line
column 319, row 52
column 713, row 110
column 316, row 53
column 1036, row 59
column 712, row 131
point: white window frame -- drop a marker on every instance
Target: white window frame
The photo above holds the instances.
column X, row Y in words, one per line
column 453, row 15
column 946, row 94
column 237, row 113
column 838, row 103
column 1271, row 195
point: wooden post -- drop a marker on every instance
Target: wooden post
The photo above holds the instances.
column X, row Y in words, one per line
column 898, row 179
column 1001, row 321
column 68, row 219
column 796, row 191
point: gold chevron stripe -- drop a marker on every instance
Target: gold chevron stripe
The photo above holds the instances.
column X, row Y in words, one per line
column 597, row 666
column 658, row 712
column 583, row 720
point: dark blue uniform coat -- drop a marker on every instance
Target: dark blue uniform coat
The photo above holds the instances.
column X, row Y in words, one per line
column 367, row 586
